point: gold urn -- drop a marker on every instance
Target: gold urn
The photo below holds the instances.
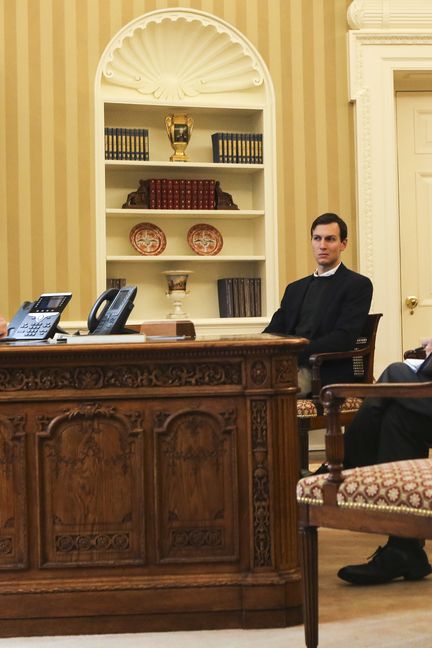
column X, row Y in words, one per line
column 179, row 129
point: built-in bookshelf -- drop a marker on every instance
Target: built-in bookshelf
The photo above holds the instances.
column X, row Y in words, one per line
column 246, row 225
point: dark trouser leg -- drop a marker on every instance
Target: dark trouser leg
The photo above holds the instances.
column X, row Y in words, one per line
column 393, row 433
column 400, row 372
column 363, row 442
column 404, row 434
column 392, row 430
column 400, row 434
column 362, row 435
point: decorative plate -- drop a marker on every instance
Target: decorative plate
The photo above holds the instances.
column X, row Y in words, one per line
column 147, row 239
column 205, row 239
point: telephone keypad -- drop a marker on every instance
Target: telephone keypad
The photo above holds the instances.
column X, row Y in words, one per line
column 36, row 326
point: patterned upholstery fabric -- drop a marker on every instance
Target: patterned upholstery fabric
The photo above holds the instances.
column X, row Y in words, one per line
column 306, row 407
column 400, row 486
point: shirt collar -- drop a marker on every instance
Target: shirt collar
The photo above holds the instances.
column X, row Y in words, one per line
column 329, row 273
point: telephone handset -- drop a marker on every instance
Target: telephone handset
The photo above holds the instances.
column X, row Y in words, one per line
column 19, row 316
column 37, row 320
column 111, row 310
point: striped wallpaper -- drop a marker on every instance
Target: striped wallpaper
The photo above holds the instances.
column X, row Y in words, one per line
column 49, row 52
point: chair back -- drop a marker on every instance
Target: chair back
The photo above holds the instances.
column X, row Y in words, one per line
column 310, row 410
column 419, row 353
column 363, row 364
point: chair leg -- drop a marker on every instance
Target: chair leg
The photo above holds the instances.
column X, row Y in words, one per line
column 309, row 567
column 303, row 429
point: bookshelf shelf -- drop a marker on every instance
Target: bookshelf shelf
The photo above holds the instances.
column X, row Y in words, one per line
column 216, row 167
column 220, row 258
column 242, row 102
column 229, row 214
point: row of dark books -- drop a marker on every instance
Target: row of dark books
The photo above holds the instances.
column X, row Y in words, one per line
column 171, row 193
column 238, row 148
column 115, row 282
column 127, row 144
column 239, row 297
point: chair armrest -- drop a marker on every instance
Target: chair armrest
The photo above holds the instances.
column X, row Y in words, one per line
column 332, row 396
column 317, row 360
column 418, row 353
column 333, row 393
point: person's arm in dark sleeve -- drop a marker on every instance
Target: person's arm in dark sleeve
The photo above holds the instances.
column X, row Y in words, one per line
column 276, row 324
column 284, row 319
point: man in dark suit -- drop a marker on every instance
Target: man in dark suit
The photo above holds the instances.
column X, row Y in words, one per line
column 391, row 429
column 328, row 307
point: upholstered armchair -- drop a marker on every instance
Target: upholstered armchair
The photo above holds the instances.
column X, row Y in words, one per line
column 392, row 498
column 310, row 411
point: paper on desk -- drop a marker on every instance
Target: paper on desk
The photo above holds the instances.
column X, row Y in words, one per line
column 413, row 363
column 99, row 339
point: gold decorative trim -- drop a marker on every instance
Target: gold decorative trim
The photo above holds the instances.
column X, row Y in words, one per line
column 371, row 507
column 310, row 500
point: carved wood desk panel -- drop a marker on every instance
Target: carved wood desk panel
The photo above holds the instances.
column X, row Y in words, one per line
column 148, row 486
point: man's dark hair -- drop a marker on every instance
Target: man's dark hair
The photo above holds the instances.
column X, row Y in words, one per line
column 326, row 219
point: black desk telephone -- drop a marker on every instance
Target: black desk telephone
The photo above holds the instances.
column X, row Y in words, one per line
column 111, row 310
column 38, row 320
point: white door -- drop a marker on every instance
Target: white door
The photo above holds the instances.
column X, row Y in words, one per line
column 414, row 127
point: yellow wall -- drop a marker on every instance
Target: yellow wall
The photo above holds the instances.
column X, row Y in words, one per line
column 49, row 53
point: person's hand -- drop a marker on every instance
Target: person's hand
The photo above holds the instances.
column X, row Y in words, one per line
column 3, row 326
column 427, row 345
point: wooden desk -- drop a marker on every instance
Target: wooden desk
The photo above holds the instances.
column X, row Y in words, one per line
column 148, row 486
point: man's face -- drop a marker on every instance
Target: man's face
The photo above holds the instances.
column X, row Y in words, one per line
column 327, row 246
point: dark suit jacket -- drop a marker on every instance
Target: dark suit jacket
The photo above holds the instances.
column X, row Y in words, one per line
column 347, row 302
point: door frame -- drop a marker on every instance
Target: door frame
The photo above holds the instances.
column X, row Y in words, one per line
column 376, row 56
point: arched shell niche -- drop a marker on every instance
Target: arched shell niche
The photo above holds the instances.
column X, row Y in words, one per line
column 172, row 56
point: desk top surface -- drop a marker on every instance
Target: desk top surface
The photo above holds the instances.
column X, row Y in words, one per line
column 159, row 343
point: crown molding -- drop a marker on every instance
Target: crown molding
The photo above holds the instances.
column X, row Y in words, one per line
column 390, row 15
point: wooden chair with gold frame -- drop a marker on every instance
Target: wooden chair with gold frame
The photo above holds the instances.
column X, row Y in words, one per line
column 310, row 412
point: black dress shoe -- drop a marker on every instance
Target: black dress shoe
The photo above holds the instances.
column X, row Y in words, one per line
column 387, row 564
column 322, row 470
